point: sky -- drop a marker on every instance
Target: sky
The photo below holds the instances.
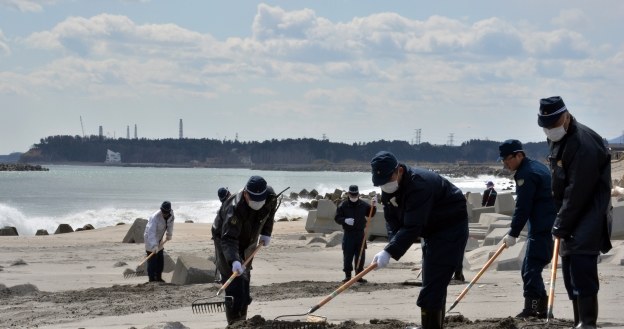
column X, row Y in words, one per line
column 348, row 71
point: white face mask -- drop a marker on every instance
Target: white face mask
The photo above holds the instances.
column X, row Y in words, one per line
column 390, row 187
column 256, row 205
column 353, row 199
column 555, row 134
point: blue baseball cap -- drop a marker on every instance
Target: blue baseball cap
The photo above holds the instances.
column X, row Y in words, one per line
column 382, row 166
column 256, row 188
column 508, row 147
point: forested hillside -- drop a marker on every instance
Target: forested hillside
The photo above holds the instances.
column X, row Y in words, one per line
column 211, row 152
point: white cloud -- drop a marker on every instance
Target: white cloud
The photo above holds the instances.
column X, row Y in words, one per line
column 572, row 18
column 22, row 5
column 4, row 47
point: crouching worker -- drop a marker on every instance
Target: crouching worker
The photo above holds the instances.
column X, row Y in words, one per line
column 420, row 203
column 242, row 223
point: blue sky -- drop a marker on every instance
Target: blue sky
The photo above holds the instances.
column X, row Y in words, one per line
column 352, row 71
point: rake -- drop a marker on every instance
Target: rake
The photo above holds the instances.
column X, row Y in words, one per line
column 140, row 271
column 315, row 321
column 210, row 304
column 476, row 278
column 359, row 260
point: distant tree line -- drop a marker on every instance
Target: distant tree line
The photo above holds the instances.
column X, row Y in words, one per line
column 212, row 152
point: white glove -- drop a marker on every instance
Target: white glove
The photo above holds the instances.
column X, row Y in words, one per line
column 374, row 201
column 238, row 267
column 349, row 221
column 265, row 240
column 168, row 238
column 155, row 249
column 617, row 191
column 509, row 240
column 382, row 259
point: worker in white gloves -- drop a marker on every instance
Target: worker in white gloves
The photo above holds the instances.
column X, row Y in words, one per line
column 352, row 214
column 419, row 203
column 244, row 221
column 159, row 229
column 535, row 204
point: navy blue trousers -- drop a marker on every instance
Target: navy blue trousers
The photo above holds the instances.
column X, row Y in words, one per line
column 580, row 275
column 155, row 265
column 538, row 254
column 442, row 252
column 351, row 244
column 239, row 289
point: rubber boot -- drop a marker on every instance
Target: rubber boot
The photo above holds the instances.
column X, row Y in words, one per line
column 530, row 308
column 459, row 275
column 430, row 319
column 576, row 312
column 159, row 278
column 542, row 308
column 233, row 317
column 347, row 276
column 588, row 312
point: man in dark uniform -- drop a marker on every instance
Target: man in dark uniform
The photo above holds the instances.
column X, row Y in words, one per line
column 420, row 203
column 243, row 222
column 489, row 195
column 581, row 185
column 535, row 204
column 352, row 215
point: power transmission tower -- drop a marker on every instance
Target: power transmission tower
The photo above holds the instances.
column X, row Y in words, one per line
column 417, row 136
column 450, row 140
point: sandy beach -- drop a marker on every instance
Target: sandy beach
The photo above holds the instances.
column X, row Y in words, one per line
column 71, row 281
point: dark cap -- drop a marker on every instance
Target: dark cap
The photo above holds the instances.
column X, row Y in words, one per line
column 256, row 188
column 550, row 111
column 489, row 183
column 383, row 165
column 223, row 193
column 508, row 147
column 165, row 206
column 353, row 189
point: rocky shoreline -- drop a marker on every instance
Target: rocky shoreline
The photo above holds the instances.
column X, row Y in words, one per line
column 21, row 167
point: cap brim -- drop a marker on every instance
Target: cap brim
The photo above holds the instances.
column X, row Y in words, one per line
column 547, row 121
column 379, row 180
column 258, row 197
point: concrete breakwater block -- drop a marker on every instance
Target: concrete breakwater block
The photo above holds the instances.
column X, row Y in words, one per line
column 191, row 269
column 136, row 231
column 8, row 231
column 511, row 258
column 64, row 228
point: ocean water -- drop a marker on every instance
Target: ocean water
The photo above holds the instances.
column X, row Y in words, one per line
column 104, row 196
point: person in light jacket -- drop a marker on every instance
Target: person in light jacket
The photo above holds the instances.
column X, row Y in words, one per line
column 159, row 229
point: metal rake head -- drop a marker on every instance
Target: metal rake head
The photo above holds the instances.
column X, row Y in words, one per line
column 297, row 325
column 311, row 322
column 211, row 306
column 128, row 273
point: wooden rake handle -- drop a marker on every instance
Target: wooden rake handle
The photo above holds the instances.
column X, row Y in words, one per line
column 160, row 247
column 235, row 274
column 343, row 287
column 553, row 277
column 368, row 220
column 476, row 278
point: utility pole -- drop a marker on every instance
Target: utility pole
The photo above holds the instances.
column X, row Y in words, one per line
column 135, row 131
column 82, row 126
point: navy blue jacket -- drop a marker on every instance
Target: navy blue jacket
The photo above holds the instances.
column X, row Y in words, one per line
column 425, row 203
column 534, row 201
column 358, row 210
column 581, row 173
